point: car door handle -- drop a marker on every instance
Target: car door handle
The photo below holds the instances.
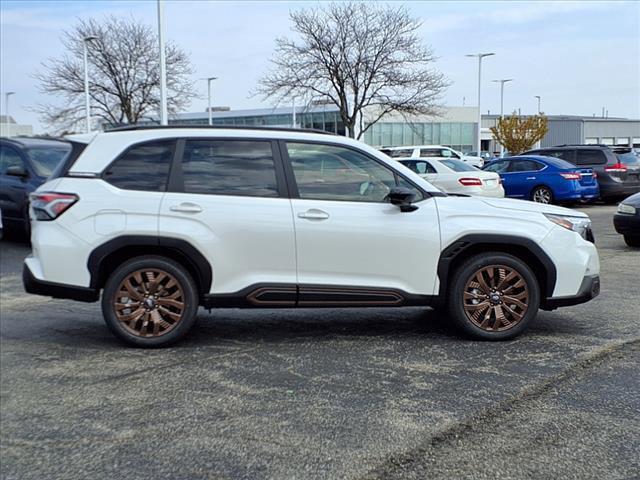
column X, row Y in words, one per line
column 531, row 178
column 314, row 214
column 186, row 207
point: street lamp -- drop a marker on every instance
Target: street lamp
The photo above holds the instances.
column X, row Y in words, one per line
column 87, row 106
column 480, row 57
column 163, row 66
column 6, row 111
column 209, row 80
column 538, row 97
column 502, row 82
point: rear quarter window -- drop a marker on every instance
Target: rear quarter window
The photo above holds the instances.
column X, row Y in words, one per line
column 590, row 157
column 142, row 167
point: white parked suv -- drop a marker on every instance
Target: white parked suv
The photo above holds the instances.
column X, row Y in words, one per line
column 432, row 151
column 164, row 220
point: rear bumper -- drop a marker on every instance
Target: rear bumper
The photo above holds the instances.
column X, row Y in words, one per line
column 626, row 224
column 617, row 189
column 56, row 290
column 589, row 289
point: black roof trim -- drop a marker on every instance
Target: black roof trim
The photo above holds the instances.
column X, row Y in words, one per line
column 216, row 127
column 585, row 145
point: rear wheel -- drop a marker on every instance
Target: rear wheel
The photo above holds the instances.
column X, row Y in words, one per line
column 150, row 302
column 542, row 194
column 632, row 240
column 493, row 297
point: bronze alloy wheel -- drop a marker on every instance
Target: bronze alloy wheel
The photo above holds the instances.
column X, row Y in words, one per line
column 496, row 298
column 149, row 302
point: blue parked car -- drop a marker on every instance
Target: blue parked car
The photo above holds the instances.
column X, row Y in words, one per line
column 545, row 179
column 25, row 164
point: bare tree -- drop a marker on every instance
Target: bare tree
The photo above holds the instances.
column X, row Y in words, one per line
column 518, row 134
column 360, row 56
column 124, row 73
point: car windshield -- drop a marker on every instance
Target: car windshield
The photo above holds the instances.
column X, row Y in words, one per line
column 458, row 166
column 45, row 160
column 628, row 158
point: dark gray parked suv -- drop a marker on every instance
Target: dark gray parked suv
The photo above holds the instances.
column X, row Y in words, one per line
column 618, row 168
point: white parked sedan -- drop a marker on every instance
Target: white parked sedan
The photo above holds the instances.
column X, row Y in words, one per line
column 455, row 176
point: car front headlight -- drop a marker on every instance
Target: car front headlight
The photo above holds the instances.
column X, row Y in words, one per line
column 581, row 225
column 624, row 208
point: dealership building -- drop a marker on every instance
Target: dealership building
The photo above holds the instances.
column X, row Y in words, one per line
column 452, row 126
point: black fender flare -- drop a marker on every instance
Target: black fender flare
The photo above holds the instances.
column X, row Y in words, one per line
column 197, row 262
column 543, row 267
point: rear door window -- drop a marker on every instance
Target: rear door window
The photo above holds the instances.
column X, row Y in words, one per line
column 525, row 166
column 591, row 157
column 419, row 166
column 400, row 153
column 229, row 167
column 142, row 167
column 565, row 154
column 497, row 167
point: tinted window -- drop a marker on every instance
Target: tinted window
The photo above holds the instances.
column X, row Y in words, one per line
column 328, row 172
column 45, row 160
column 419, row 166
column 9, row 158
column 229, row 167
column 142, row 167
column 403, row 153
column 628, row 158
column 567, row 155
column 458, row 166
column 591, row 157
column 436, row 153
column 497, row 167
column 525, row 166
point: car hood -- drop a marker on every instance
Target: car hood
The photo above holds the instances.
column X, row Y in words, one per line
column 528, row 206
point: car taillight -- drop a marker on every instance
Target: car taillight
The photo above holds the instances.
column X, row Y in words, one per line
column 595, row 174
column 618, row 167
column 570, row 176
column 470, row 182
column 49, row 206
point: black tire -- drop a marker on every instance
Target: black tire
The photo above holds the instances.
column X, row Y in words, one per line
column 494, row 329
column 632, row 240
column 540, row 193
column 183, row 292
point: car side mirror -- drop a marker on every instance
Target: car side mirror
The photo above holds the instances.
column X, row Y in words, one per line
column 402, row 197
column 17, row 171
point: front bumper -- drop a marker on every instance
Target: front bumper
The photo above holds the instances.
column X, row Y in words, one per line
column 627, row 224
column 589, row 289
column 56, row 290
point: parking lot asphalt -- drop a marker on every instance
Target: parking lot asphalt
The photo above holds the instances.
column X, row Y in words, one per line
column 331, row 393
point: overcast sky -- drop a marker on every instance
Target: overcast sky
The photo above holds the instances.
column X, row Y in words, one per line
column 579, row 56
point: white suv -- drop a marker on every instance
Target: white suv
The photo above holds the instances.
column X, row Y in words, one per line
column 432, row 151
column 163, row 220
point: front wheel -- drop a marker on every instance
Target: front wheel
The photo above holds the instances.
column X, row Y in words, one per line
column 493, row 297
column 542, row 194
column 632, row 240
column 150, row 301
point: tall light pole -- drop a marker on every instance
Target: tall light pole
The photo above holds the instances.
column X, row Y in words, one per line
column 163, row 67
column 209, row 80
column 87, row 104
column 538, row 97
column 6, row 111
column 502, row 82
column 480, row 57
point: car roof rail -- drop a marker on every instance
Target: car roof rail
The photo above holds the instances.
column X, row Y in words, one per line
column 582, row 145
column 128, row 128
